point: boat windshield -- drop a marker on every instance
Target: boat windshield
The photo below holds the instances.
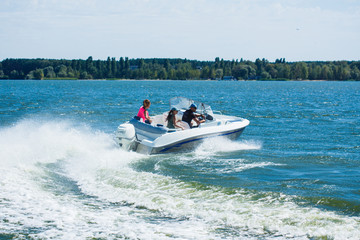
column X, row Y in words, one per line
column 184, row 104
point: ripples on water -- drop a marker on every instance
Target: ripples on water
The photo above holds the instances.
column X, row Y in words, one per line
column 293, row 174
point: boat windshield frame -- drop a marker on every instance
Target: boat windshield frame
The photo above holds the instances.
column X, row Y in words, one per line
column 183, row 104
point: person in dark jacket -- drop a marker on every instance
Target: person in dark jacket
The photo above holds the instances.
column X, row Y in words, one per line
column 190, row 115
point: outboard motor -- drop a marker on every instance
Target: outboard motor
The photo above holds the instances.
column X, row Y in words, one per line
column 126, row 137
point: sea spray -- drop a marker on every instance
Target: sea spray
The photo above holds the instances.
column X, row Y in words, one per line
column 213, row 146
column 67, row 181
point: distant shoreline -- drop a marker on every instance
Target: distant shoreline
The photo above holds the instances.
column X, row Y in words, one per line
column 179, row 69
column 199, row 80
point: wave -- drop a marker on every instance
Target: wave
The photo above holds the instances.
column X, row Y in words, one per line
column 214, row 146
column 67, row 181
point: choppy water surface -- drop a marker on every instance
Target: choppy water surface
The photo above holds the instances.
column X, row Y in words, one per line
column 293, row 174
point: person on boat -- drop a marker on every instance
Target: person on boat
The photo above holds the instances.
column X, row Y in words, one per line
column 190, row 115
column 171, row 119
column 143, row 111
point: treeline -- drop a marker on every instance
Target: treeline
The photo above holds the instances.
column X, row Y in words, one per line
column 177, row 69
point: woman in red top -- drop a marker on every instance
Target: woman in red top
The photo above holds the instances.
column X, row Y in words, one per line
column 143, row 111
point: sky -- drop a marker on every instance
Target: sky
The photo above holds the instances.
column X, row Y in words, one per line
column 297, row 30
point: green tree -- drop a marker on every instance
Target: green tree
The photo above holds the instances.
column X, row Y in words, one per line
column 35, row 74
column 314, row 72
column 265, row 75
column 212, row 73
column 326, row 72
column 141, row 63
column 270, row 68
column 217, row 63
column 39, row 74
column 109, row 73
column 167, row 65
column 85, row 75
column 227, row 71
column 61, row 71
column 344, row 72
column 219, row 73
column 300, row 71
column 241, row 72
column 49, row 72
column 205, row 73
column 71, row 73
column 14, row 74
column 355, row 73
column 122, row 64
column 172, row 74
column 259, row 66
column 113, row 67
column 283, row 71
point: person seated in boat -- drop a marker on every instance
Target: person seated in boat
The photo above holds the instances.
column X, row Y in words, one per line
column 171, row 119
column 143, row 111
column 190, row 115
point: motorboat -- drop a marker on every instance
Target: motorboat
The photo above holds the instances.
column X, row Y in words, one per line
column 155, row 138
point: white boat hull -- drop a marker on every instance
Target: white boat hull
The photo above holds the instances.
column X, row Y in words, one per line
column 189, row 144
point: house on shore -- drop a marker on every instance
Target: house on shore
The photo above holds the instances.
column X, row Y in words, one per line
column 229, row 78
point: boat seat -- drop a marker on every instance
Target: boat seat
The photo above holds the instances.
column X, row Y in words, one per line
column 145, row 127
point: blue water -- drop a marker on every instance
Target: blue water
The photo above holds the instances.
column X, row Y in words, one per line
column 293, row 174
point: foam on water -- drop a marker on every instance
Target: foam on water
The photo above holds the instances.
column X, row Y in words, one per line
column 221, row 144
column 209, row 156
column 63, row 181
